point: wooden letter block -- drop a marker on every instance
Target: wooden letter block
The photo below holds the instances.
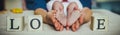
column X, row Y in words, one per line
column 14, row 23
column 34, row 22
column 99, row 23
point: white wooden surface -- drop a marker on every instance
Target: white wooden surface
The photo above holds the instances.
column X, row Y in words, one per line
column 9, row 4
column 113, row 26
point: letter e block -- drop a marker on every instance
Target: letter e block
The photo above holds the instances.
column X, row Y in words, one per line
column 100, row 23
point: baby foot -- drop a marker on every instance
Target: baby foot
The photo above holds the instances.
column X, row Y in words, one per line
column 55, row 22
column 73, row 17
column 73, row 14
column 60, row 16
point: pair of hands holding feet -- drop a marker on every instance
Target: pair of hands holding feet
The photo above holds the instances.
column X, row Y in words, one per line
column 60, row 20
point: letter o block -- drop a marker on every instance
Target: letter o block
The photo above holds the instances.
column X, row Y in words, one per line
column 34, row 23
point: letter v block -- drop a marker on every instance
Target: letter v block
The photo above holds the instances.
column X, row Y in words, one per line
column 34, row 23
column 14, row 23
column 100, row 23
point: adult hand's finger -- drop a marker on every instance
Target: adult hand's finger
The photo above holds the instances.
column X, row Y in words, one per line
column 73, row 27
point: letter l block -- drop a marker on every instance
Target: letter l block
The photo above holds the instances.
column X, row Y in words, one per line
column 14, row 23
